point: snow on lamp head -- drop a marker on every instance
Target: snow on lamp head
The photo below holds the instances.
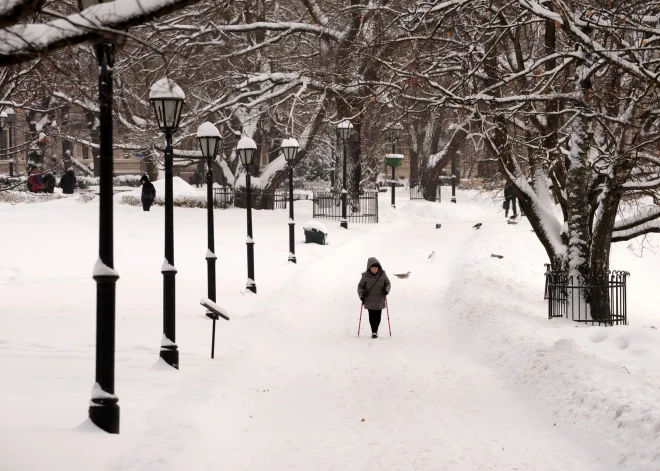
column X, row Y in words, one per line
column 344, row 129
column 168, row 99
column 246, row 148
column 209, row 140
column 290, row 148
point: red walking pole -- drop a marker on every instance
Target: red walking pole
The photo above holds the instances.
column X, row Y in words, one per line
column 388, row 316
column 360, row 324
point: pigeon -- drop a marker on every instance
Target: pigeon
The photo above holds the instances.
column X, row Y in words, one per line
column 403, row 276
column 438, row 226
column 432, row 257
column 477, row 226
column 511, row 222
column 494, row 255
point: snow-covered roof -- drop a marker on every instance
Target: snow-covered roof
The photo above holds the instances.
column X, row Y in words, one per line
column 394, row 156
column 246, row 143
column 208, row 130
column 166, row 88
column 290, row 142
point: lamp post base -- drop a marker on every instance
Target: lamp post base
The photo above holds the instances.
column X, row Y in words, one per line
column 170, row 356
column 292, row 258
column 453, row 199
column 344, row 224
column 105, row 414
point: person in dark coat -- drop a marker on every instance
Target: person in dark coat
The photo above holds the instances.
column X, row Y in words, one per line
column 148, row 192
column 68, row 182
column 49, row 183
column 509, row 201
column 373, row 287
column 198, row 178
column 35, row 181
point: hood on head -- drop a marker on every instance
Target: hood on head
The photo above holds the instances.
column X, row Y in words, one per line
column 145, row 178
column 371, row 261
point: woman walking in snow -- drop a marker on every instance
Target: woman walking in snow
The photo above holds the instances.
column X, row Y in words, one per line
column 373, row 287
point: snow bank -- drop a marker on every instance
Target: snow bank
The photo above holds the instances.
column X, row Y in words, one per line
column 603, row 382
column 180, row 189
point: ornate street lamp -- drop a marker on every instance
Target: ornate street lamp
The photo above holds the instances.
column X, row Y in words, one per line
column 246, row 148
column 104, row 408
column 344, row 130
column 395, row 160
column 453, row 179
column 168, row 99
column 209, row 142
column 290, row 148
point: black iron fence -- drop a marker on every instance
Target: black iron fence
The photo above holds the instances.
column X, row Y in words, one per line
column 594, row 303
column 227, row 197
column 363, row 209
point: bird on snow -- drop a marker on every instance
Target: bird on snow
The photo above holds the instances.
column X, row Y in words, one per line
column 438, row 226
column 403, row 276
column 432, row 256
column 477, row 226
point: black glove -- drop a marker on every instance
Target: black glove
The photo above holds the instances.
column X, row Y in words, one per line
column 362, row 298
column 385, row 292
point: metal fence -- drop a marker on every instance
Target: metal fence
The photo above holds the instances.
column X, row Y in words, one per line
column 363, row 209
column 416, row 192
column 602, row 304
column 227, row 197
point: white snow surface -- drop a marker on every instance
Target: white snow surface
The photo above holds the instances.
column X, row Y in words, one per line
column 207, row 129
column 166, row 88
column 474, row 376
column 246, row 143
column 315, row 224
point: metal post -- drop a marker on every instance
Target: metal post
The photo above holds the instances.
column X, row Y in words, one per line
column 104, row 408
column 168, row 349
column 453, row 180
column 393, row 177
column 344, row 193
column 210, row 254
column 292, row 224
column 333, row 171
column 11, row 150
column 251, row 283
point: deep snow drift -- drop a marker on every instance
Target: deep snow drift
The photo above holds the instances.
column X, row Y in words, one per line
column 474, row 376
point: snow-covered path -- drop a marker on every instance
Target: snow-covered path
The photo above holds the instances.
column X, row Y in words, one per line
column 295, row 389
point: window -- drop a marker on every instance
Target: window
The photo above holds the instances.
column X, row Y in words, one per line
column 85, row 152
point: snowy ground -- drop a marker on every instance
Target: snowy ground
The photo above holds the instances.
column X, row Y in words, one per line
column 474, row 376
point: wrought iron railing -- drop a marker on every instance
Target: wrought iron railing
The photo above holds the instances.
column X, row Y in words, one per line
column 227, row 197
column 363, row 209
column 583, row 301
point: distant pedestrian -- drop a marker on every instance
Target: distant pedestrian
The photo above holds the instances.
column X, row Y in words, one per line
column 198, row 178
column 148, row 193
column 509, row 201
column 35, row 181
column 49, row 183
column 373, row 288
column 68, row 182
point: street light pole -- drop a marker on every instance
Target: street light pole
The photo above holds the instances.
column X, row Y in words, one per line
column 11, row 117
column 393, row 175
column 104, row 408
column 167, row 99
column 246, row 149
column 344, row 130
column 453, row 180
column 290, row 149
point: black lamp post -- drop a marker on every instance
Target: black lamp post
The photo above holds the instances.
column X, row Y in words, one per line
column 246, row 148
column 11, row 118
column 3, row 123
column 290, row 148
column 168, row 99
column 344, row 130
column 104, row 408
column 209, row 141
column 395, row 133
column 453, row 180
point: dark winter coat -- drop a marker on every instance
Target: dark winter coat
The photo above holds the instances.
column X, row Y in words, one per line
column 68, row 182
column 508, row 191
column 49, row 183
column 148, row 190
column 372, row 289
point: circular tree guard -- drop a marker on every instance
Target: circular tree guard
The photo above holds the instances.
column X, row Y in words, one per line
column 393, row 160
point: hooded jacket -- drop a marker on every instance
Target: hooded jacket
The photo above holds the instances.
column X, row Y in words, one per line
column 68, row 182
column 148, row 190
column 372, row 287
